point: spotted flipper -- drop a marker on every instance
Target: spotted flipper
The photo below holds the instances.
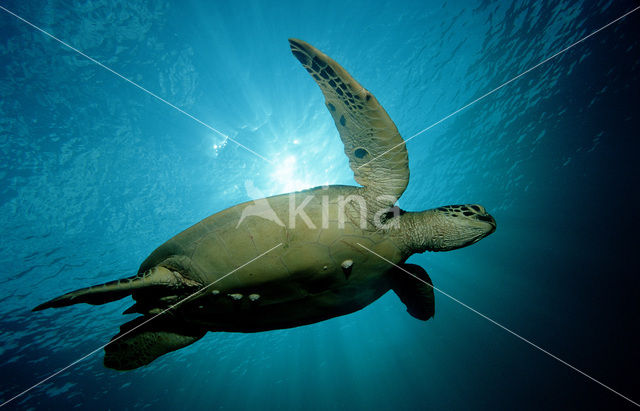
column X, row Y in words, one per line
column 144, row 339
column 376, row 151
column 415, row 293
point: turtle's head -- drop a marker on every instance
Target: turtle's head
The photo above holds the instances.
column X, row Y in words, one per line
column 449, row 227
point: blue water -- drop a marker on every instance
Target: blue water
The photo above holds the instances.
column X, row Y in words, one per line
column 95, row 173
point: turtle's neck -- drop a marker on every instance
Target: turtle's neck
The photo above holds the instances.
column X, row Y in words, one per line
column 421, row 231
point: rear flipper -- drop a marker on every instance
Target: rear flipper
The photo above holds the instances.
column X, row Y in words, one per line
column 115, row 290
column 140, row 342
column 415, row 293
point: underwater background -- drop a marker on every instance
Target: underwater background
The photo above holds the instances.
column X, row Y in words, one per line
column 95, row 174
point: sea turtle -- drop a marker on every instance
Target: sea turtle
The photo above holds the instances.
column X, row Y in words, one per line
column 297, row 258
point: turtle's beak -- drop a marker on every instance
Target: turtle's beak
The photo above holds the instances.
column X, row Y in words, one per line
column 489, row 219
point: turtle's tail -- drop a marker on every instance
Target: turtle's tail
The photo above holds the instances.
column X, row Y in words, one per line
column 115, row 290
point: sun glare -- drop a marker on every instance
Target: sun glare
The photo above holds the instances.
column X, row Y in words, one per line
column 287, row 176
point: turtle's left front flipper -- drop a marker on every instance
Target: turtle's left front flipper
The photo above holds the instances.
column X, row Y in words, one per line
column 416, row 293
column 376, row 151
column 144, row 339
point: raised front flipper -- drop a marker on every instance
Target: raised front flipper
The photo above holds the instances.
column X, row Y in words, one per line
column 416, row 293
column 376, row 151
column 139, row 342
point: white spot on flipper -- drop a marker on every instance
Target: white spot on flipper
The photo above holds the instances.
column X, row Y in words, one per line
column 254, row 297
column 235, row 296
column 215, row 292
